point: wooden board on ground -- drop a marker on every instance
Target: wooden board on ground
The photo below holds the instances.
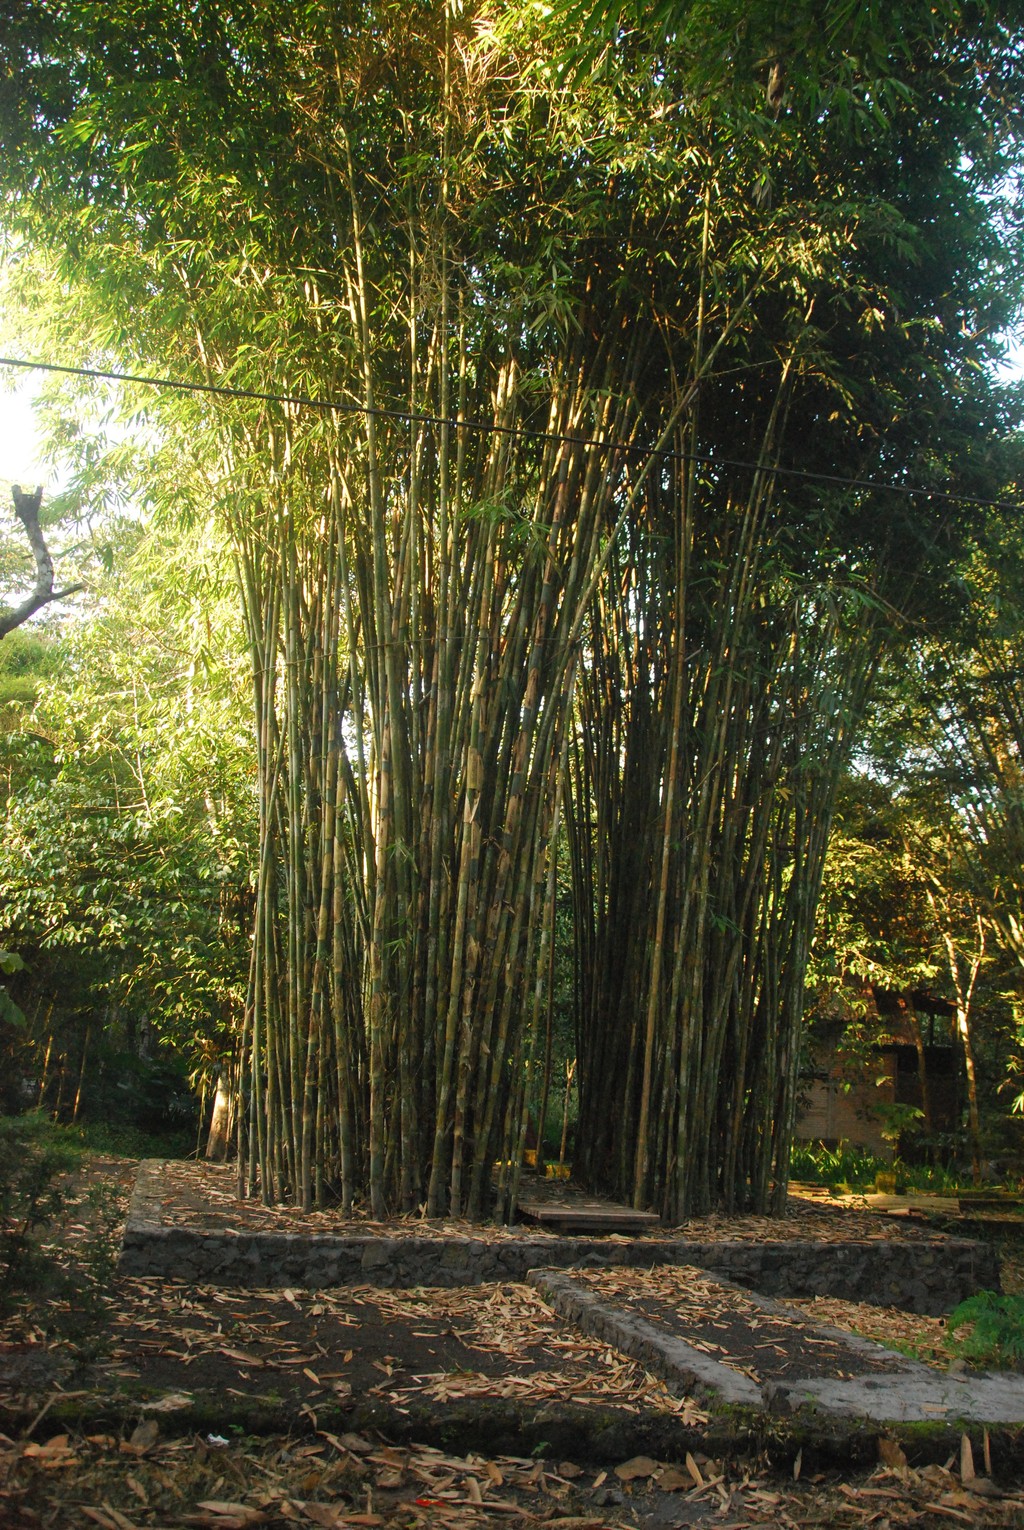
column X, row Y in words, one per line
column 580, row 1214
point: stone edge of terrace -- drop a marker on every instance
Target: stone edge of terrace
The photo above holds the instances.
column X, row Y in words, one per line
column 926, row 1275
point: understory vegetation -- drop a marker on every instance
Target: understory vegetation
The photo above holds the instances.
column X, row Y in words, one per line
column 988, row 1329
column 41, row 1169
column 855, row 1168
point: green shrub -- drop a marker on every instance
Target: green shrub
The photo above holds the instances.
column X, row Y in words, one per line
column 846, row 1165
column 856, row 1169
column 120, row 1141
column 34, row 1160
column 989, row 1329
column 931, row 1177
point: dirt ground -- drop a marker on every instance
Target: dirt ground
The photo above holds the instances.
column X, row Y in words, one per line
column 143, row 1403
column 203, row 1195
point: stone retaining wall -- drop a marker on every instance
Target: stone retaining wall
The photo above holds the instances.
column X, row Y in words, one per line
column 923, row 1275
column 919, row 1275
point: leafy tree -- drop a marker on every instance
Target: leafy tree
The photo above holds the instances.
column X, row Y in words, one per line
column 944, row 751
column 22, row 659
column 903, row 910
column 26, row 508
column 126, row 848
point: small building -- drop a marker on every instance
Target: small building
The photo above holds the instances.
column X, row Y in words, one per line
column 849, row 1094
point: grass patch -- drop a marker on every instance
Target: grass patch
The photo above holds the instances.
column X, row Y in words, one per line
column 847, row 1168
column 816, row 1164
column 59, row 1229
column 988, row 1330
column 128, row 1141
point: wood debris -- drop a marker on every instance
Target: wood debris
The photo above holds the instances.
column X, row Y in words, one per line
column 364, row 1483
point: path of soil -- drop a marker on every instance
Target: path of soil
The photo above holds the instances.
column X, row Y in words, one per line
column 303, row 1349
column 723, row 1322
column 129, row 1359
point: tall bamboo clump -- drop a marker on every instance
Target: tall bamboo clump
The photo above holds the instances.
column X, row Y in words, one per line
column 415, row 581
column 697, row 867
column 494, row 602
column 413, row 684
column 530, row 594
column 729, row 665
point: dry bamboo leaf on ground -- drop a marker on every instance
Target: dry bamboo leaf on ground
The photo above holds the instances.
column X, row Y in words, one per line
column 671, row 1480
column 928, row 1337
column 890, row 1453
column 204, row 1194
column 636, row 1466
column 108, row 1518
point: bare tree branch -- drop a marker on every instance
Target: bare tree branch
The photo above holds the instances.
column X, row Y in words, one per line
column 26, row 508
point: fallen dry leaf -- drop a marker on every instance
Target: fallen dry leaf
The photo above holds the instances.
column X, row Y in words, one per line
column 984, row 1487
column 891, row 1453
column 355, row 1443
column 58, row 1444
column 51, row 1459
column 207, row 1521
column 635, row 1467
column 143, row 1437
column 694, row 1471
column 329, row 1515
column 473, row 1492
column 107, row 1518
column 172, row 1402
column 944, row 1508
column 672, row 1480
column 576, row 1522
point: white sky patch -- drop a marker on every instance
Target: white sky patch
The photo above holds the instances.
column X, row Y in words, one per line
column 20, row 448
column 1012, row 369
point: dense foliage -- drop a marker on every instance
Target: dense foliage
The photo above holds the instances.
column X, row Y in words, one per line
column 618, row 312
column 128, row 838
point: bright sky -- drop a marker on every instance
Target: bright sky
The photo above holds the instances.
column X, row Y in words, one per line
column 19, row 446
column 1013, row 367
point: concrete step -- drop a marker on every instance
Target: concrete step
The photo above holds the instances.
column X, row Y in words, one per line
column 823, row 1370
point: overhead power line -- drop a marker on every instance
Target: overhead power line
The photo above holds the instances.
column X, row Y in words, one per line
column 488, row 427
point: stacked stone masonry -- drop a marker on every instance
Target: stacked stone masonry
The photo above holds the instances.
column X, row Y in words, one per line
column 927, row 1275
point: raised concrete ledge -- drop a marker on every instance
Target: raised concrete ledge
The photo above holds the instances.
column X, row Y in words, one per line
column 910, row 1393
column 986, row 1398
column 686, row 1370
column 929, row 1275
column 926, row 1275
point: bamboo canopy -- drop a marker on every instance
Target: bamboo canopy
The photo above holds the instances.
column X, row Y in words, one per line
column 557, row 652
column 517, row 648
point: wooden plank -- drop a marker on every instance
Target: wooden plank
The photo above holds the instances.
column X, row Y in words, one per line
column 587, row 1216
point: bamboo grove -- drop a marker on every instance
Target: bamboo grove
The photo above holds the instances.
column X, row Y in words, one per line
column 551, row 659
